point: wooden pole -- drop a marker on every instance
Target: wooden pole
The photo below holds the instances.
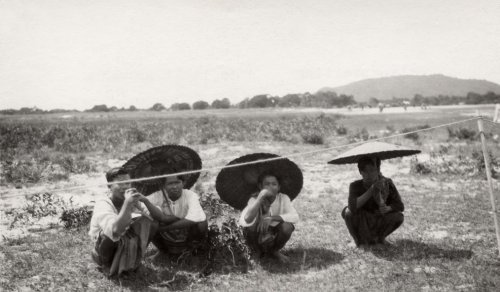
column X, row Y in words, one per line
column 490, row 183
column 497, row 109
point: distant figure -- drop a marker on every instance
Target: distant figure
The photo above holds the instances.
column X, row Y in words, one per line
column 362, row 106
column 405, row 105
column 349, row 108
column 380, row 107
column 423, row 106
column 374, row 208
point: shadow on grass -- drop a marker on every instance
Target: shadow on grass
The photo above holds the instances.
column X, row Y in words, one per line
column 170, row 273
column 302, row 259
column 177, row 272
column 415, row 250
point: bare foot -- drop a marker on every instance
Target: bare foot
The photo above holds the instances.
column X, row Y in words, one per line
column 281, row 257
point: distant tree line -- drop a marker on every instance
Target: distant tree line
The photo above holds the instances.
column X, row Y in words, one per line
column 470, row 98
column 320, row 99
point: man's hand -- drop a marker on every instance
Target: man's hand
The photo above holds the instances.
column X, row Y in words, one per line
column 379, row 184
column 132, row 196
column 384, row 209
column 264, row 194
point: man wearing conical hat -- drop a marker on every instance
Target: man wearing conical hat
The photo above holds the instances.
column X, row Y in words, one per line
column 184, row 223
column 374, row 209
column 269, row 218
column 122, row 225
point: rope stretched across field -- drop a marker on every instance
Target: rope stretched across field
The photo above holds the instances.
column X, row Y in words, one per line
column 257, row 161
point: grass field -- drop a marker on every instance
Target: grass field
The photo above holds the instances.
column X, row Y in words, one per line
column 447, row 242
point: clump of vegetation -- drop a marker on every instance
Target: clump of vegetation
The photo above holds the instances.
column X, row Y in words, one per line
column 464, row 165
column 76, row 217
column 413, row 136
column 312, row 138
column 227, row 245
column 37, row 206
column 360, row 135
column 417, row 167
column 462, row 134
column 22, row 171
column 341, row 130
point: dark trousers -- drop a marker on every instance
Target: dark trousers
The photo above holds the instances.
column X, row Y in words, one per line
column 370, row 228
column 105, row 248
column 283, row 233
column 196, row 234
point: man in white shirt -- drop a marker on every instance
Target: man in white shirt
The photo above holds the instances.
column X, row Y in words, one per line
column 268, row 218
column 121, row 225
column 184, row 223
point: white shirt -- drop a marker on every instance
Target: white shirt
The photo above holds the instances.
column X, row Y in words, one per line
column 186, row 207
column 282, row 206
column 105, row 215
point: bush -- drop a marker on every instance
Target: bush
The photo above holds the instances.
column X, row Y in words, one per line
column 227, row 244
column 341, row 130
column 20, row 171
column 360, row 135
column 37, row 206
column 462, row 134
column 417, row 167
column 76, row 217
column 414, row 136
column 313, row 138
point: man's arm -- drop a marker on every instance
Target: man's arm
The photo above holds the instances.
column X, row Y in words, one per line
column 156, row 212
column 179, row 224
column 395, row 202
column 125, row 215
column 253, row 209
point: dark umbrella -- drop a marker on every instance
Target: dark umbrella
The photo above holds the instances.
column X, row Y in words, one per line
column 373, row 149
column 162, row 160
column 235, row 185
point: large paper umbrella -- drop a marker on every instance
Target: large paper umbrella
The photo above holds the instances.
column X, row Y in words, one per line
column 162, row 160
column 373, row 149
column 235, row 185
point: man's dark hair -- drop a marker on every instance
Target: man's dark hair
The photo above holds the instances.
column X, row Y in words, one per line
column 114, row 172
column 261, row 177
column 174, row 170
column 363, row 162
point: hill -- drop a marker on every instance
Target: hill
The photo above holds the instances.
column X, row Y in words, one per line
column 406, row 86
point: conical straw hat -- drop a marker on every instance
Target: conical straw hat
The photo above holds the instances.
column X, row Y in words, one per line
column 373, row 149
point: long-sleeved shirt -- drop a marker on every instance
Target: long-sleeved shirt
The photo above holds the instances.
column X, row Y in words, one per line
column 186, row 207
column 282, row 206
column 357, row 189
column 105, row 215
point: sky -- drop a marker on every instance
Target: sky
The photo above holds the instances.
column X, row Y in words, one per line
column 74, row 54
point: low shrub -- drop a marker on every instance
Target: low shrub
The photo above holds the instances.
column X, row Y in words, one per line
column 37, row 206
column 413, row 136
column 313, row 138
column 76, row 217
column 462, row 134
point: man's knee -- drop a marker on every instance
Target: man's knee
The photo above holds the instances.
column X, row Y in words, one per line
column 286, row 228
column 400, row 218
column 346, row 213
column 202, row 226
column 397, row 217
